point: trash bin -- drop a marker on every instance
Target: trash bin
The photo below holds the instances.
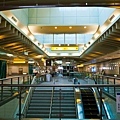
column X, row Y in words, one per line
column 48, row 77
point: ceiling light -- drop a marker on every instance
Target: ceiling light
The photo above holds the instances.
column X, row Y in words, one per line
column 22, row 61
column 68, row 44
column 10, row 55
column 86, row 3
column 31, row 62
column 59, row 44
column 84, row 26
column 70, row 27
column 55, row 27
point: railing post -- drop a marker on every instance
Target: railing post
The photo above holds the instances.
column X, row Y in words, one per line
column 60, row 104
column 23, row 79
column 114, row 88
column 102, row 79
column 11, row 86
column 108, row 83
column 18, row 83
column 19, row 103
column 31, row 79
column 100, row 103
column 2, row 91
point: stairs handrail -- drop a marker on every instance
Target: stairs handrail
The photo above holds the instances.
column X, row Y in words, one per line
column 51, row 103
column 27, row 100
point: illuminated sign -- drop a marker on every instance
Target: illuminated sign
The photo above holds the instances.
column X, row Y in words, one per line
column 64, row 48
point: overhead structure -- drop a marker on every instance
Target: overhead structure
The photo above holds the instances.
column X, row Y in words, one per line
column 14, row 43
column 17, row 4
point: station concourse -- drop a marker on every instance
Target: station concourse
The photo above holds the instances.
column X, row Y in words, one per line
column 62, row 40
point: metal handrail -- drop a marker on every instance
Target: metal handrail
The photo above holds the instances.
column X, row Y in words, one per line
column 27, row 100
column 75, row 103
column 51, row 103
column 61, row 85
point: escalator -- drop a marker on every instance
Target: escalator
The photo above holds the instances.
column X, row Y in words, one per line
column 39, row 106
column 63, row 105
column 89, row 104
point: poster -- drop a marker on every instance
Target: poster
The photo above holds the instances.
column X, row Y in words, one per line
column 118, row 102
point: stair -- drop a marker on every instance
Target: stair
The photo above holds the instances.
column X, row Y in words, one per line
column 63, row 105
column 40, row 104
column 89, row 104
column 6, row 93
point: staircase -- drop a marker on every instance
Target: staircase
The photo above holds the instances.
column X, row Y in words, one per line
column 89, row 104
column 40, row 104
column 63, row 105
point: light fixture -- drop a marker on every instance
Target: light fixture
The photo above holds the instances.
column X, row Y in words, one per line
column 10, row 55
column 84, row 26
column 31, row 62
column 19, row 61
column 55, row 27
column 70, row 27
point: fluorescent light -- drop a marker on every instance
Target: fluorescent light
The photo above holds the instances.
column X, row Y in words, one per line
column 31, row 62
column 10, row 55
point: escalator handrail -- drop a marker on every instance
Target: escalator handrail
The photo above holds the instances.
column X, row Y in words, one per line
column 106, row 113
column 75, row 104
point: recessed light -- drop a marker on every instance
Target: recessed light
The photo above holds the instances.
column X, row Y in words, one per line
column 70, row 27
column 84, row 26
column 55, row 27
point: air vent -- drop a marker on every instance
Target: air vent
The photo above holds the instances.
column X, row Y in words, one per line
column 14, row 19
column 111, row 18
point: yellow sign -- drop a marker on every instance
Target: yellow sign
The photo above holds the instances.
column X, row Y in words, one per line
column 64, row 48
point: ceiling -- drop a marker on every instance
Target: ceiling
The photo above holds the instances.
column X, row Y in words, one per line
column 88, row 29
column 14, row 42
column 13, row 4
